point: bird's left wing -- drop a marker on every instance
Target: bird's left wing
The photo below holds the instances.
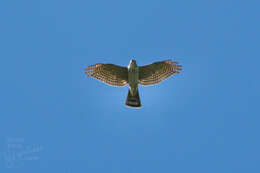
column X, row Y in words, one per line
column 108, row 73
column 157, row 72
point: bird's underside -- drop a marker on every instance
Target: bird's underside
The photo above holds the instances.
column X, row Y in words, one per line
column 120, row 76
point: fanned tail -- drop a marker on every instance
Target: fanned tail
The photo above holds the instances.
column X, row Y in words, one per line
column 133, row 101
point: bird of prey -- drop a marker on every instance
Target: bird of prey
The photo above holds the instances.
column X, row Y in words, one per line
column 133, row 75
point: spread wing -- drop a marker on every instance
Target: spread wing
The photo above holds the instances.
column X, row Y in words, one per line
column 157, row 72
column 108, row 73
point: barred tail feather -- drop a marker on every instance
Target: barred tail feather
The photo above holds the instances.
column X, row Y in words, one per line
column 133, row 101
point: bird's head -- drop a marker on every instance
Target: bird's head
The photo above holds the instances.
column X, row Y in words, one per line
column 132, row 63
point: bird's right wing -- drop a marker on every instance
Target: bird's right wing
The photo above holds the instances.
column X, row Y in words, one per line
column 108, row 73
column 157, row 72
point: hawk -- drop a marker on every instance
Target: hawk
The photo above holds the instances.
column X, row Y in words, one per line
column 133, row 75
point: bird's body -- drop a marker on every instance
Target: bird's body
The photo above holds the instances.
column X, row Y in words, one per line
column 133, row 75
column 133, row 99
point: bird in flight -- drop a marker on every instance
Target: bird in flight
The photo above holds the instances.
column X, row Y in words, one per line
column 133, row 75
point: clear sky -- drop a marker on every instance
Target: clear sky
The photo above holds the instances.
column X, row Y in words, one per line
column 53, row 118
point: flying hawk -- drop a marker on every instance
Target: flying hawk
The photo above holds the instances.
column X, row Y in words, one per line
column 133, row 75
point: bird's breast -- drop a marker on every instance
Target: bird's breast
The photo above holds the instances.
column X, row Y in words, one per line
column 133, row 76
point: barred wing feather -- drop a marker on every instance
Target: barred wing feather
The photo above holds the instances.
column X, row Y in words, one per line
column 157, row 72
column 108, row 73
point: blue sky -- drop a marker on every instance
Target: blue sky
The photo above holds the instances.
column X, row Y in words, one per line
column 56, row 119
